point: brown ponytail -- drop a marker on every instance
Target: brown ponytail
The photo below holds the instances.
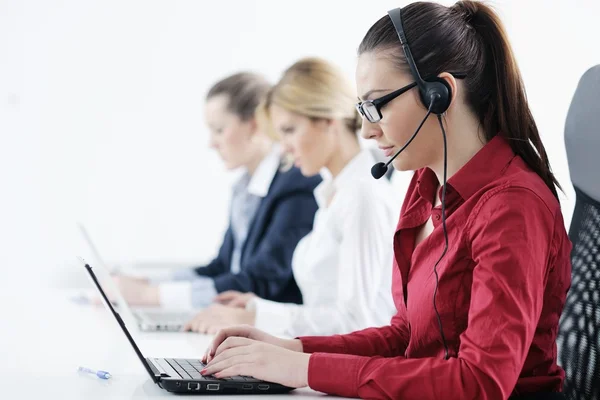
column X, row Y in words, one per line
column 470, row 37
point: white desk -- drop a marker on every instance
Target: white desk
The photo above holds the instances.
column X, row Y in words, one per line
column 44, row 338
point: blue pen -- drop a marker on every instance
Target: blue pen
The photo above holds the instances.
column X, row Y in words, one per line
column 99, row 374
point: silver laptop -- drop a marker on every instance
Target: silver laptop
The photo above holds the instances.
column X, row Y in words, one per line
column 148, row 319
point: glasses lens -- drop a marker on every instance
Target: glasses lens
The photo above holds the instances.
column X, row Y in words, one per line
column 371, row 112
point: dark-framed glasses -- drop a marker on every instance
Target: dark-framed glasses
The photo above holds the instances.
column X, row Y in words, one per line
column 371, row 109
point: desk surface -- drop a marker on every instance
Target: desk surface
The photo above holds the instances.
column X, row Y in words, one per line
column 44, row 337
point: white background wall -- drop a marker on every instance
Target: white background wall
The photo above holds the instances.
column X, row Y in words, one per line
column 101, row 112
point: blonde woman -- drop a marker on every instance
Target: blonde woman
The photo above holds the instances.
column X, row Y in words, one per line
column 271, row 210
column 342, row 266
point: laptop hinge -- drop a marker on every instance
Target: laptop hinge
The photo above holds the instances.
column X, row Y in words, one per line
column 156, row 368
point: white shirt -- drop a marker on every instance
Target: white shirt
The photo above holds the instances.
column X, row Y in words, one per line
column 190, row 290
column 344, row 266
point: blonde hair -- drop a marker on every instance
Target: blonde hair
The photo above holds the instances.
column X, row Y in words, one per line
column 314, row 88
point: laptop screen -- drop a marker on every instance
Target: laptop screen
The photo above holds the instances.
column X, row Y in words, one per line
column 108, row 304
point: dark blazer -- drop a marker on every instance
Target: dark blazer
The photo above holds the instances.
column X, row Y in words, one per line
column 284, row 216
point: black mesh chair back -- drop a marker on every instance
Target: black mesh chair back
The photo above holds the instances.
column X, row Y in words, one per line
column 579, row 334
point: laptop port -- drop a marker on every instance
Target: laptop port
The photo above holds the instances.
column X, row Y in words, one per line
column 193, row 386
column 212, row 386
column 263, row 387
column 247, row 386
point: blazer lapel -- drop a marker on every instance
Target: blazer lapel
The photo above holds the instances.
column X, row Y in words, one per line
column 257, row 226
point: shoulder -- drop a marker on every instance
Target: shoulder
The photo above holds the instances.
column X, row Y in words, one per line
column 366, row 190
column 291, row 181
column 369, row 198
column 518, row 200
column 519, row 219
column 520, row 187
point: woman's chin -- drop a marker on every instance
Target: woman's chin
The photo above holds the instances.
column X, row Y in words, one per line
column 231, row 165
column 402, row 164
column 307, row 171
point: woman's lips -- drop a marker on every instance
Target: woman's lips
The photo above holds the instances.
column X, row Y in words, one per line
column 388, row 150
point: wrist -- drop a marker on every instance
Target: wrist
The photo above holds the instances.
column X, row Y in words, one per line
column 304, row 365
column 294, row 345
column 249, row 317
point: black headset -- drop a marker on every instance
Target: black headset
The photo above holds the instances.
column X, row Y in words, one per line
column 437, row 89
column 436, row 96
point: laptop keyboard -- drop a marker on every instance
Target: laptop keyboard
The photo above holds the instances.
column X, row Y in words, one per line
column 190, row 369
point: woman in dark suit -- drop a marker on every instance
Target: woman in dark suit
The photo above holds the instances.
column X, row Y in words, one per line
column 272, row 209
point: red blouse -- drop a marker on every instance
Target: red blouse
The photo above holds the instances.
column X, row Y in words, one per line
column 502, row 288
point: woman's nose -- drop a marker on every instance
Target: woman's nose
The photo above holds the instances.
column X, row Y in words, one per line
column 370, row 130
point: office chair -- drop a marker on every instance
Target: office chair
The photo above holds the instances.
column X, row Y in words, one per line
column 579, row 334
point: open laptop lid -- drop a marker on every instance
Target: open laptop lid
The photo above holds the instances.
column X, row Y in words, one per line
column 113, row 289
column 94, row 249
column 108, row 304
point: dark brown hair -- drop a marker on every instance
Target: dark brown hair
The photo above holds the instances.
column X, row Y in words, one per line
column 469, row 37
column 245, row 91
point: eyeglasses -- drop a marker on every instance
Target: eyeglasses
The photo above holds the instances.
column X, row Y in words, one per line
column 371, row 109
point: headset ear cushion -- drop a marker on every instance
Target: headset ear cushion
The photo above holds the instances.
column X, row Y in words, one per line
column 441, row 88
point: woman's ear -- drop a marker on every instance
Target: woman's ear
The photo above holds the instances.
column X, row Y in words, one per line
column 253, row 130
column 452, row 83
column 253, row 125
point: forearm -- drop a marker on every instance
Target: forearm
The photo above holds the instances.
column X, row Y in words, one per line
column 387, row 341
column 394, row 378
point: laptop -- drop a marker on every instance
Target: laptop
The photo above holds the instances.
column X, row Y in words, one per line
column 150, row 319
column 183, row 375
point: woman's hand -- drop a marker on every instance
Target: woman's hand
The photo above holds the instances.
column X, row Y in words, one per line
column 234, row 298
column 217, row 316
column 243, row 356
column 247, row 332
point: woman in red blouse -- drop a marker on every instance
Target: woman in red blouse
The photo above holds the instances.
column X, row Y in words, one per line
column 483, row 325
